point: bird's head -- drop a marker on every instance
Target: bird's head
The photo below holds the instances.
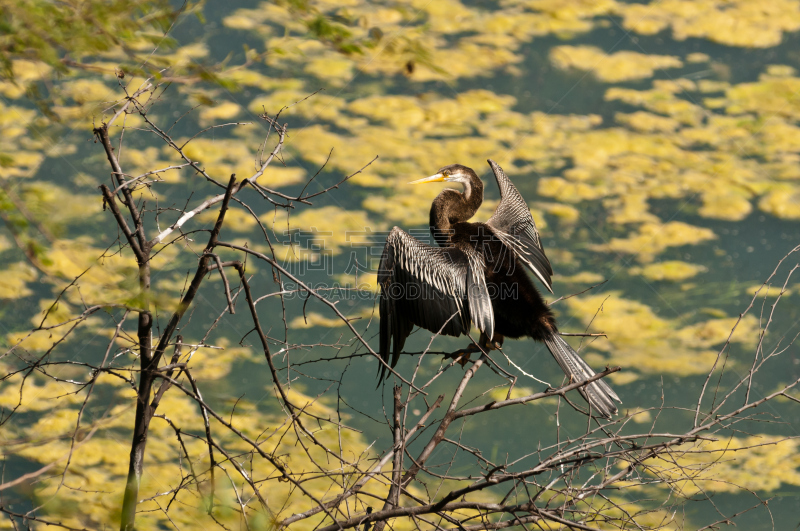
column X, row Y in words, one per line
column 454, row 173
column 452, row 206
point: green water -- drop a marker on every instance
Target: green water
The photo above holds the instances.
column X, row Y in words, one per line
column 740, row 253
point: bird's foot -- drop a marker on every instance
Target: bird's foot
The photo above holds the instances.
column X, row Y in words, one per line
column 462, row 356
column 492, row 344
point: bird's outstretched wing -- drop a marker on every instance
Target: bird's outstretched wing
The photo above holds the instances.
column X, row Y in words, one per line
column 513, row 225
column 436, row 288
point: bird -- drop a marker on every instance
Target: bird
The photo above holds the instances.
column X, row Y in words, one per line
column 473, row 276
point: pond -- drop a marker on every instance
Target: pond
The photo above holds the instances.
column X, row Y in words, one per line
column 656, row 144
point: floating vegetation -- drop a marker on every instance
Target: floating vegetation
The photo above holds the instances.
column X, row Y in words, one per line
column 769, row 96
column 646, row 343
column 673, row 270
column 653, row 238
column 723, row 148
column 97, row 474
column 730, row 22
column 584, row 277
column 312, row 319
column 14, row 281
column 224, row 111
column 420, row 85
column 328, row 229
column 731, row 204
column 414, row 39
column 753, row 455
column 613, row 68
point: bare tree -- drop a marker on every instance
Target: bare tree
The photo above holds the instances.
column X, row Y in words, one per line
column 611, row 476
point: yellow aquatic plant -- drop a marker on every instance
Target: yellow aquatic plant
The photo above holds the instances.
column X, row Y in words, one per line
column 642, row 341
column 652, row 238
column 730, row 22
column 613, row 68
column 673, row 270
column 96, row 475
column 728, row 464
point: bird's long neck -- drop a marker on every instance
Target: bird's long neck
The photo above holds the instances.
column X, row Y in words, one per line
column 451, row 207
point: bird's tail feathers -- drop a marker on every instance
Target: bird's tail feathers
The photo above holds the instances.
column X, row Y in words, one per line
column 598, row 393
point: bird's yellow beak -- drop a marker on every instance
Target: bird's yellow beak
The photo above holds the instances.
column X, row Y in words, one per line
column 432, row 179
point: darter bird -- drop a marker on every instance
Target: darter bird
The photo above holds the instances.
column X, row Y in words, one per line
column 473, row 277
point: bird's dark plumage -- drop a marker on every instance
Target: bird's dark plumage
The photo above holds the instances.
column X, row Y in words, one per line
column 473, row 277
